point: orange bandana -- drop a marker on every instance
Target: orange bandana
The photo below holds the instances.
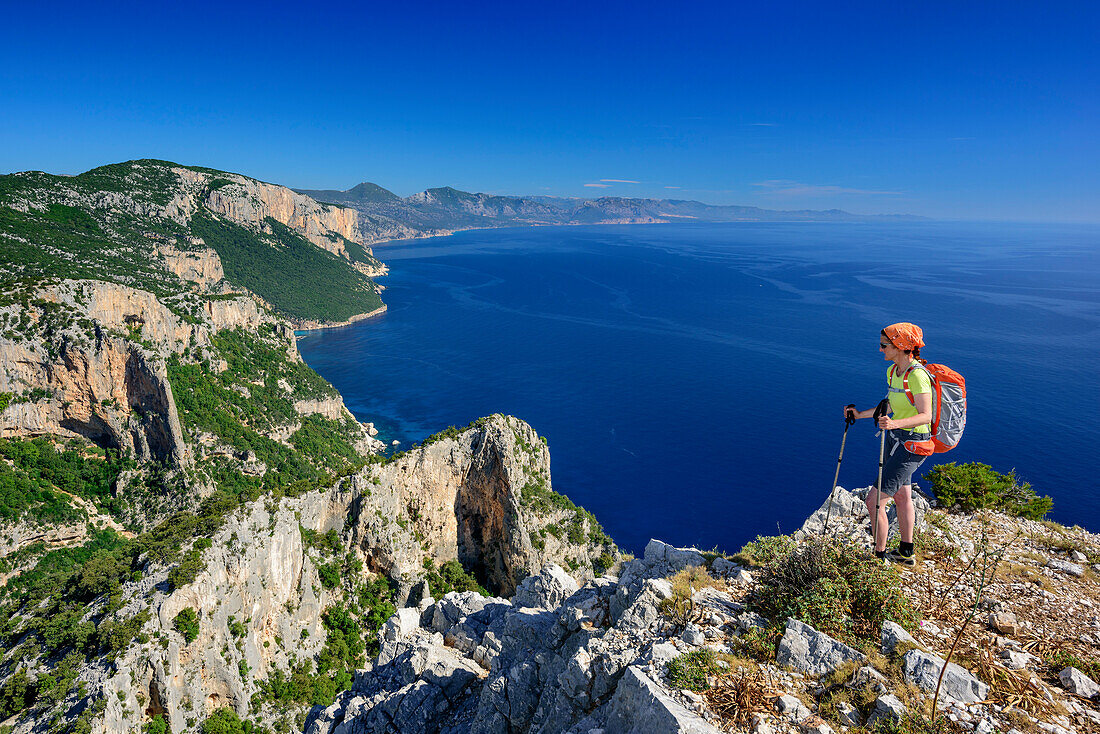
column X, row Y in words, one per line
column 904, row 335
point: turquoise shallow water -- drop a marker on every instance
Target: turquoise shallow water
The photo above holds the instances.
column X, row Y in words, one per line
column 689, row 378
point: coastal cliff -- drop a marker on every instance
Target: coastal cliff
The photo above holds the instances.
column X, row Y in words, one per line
column 196, row 535
column 192, row 524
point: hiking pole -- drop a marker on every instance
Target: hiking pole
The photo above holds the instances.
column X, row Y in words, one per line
column 849, row 419
column 882, row 409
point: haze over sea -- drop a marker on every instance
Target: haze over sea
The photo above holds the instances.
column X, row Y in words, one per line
column 690, row 378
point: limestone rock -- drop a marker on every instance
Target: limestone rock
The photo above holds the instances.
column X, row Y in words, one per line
column 1005, row 623
column 545, row 590
column 849, row 714
column 466, row 496
column 868, row 677
column 792, row 707
column 848, row 516
column 892, row 634
column 1076, row 682
column 809, row 651
column 1072, row 569
column 923, row 670
column 1016, row 659
column 815, row 725
column 723, row 567
column 887, row 707
column 692, row 635
column 639, row 705
column 664, row 557
column 249, row 202
column 401, row 624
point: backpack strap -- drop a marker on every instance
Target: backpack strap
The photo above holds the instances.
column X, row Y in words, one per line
column 905, row 380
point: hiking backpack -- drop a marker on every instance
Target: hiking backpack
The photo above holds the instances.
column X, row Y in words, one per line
column 948, row 403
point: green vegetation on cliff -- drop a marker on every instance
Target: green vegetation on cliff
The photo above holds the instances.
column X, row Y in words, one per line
column 288, row 271
column 108, row 223
column 39, row 478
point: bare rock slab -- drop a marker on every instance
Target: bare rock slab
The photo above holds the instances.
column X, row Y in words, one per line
column 1074, row 681
column 1072, row 569
column 923, row 670
column 808, row 651
column 640, row 705
column 545, row 590
column 888, row 707
column 893, row 634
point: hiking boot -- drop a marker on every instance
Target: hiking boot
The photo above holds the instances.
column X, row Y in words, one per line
column 896, row 556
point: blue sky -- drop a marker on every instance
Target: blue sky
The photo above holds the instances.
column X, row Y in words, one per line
column 968, row 110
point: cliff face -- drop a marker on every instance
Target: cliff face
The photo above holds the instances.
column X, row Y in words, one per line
column 190, row 517
column 246, row 200
column 145, row 224
column 258, row 575
column 259, row 597
column 97, row 366
column 481, row 498
column 202, row 268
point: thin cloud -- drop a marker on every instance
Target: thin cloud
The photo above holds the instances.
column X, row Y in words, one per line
column 672, row 187
column 784, row 187
column 598, row 185
column 618, row 180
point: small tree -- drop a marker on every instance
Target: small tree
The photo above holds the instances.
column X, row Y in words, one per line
column 187, row 624
column 975, row 486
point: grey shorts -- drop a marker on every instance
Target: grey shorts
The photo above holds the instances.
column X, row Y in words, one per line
column 899, row 465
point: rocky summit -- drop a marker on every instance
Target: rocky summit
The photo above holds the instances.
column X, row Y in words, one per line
column 196, row 535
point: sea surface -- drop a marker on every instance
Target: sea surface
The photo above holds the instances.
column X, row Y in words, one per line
column 690, row 378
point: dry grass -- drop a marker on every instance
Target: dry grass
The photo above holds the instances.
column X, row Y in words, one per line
column 680, row 607
column 694, row 578
column 1013, row 688
column 737, row 696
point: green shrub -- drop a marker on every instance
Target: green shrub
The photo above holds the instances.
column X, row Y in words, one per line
column 187, row 623
column 974, row 486
column 287, row 270
column 189, row 567
column 330, row 575
column 764, row 550
column 691, row 669
column 760, row 643
column 834, row 587
column 236, row 628
column 156, row 725
column 226, row 721
column 15, row 695
column 450, row 577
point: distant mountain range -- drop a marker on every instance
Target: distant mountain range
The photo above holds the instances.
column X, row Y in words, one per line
column 385, row 215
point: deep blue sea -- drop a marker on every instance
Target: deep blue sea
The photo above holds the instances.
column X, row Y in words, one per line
column 690, row 378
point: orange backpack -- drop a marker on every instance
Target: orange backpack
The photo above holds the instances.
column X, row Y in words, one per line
column 948, row 403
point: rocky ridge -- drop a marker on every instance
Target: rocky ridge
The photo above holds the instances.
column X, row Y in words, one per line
column 557, row 658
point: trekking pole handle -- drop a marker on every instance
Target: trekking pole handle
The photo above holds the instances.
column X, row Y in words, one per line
column 882, row 409
column 849, row 415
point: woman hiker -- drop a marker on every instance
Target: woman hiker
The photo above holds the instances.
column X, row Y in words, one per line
column 908, row 433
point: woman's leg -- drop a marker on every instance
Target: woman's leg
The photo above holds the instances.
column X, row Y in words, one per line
column 904, row 502
column 883, row 525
